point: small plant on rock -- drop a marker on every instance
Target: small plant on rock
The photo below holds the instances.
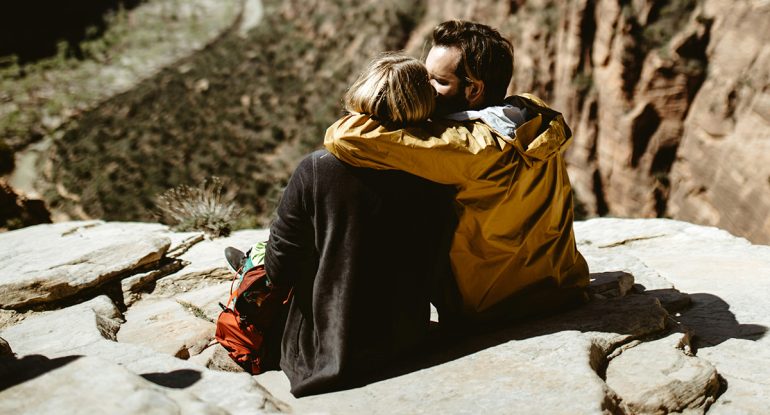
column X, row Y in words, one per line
column 203, row 208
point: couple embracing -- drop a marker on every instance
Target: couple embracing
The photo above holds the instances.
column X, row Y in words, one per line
column 436, row 187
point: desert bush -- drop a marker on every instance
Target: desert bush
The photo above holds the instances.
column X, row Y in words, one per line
column 203, row 208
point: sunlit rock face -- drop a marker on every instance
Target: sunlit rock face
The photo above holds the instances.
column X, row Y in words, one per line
column 722, row 174
column 677, row 322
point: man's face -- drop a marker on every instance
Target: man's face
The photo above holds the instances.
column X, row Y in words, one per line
column 450, row 89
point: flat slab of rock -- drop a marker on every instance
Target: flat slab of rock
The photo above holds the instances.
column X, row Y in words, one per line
column 168, row 326
column 544, row 366
column 610, row 261
column 206, row 299
column 93, row 385
column 549, row 374
column 88, row 329
column 46, row 263
column 744, row 366
column 649, row 278
column 658, row 377
column 605, row 285
column 181, row 242
column 216, row 357
column 726, row 279
column 134, row 286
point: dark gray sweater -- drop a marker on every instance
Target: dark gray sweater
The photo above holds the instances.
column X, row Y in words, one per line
column 360, row 247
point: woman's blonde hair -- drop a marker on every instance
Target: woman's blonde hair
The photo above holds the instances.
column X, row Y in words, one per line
column 395, row 89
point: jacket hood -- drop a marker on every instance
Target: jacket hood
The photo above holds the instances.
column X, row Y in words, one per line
column 503, row 119
column 544, row 134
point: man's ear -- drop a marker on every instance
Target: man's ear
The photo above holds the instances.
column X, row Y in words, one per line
column 474, row 93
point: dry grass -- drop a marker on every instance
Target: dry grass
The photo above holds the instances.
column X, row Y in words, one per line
column 204, row 208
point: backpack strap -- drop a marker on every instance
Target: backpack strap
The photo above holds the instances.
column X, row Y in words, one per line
column 253, row 275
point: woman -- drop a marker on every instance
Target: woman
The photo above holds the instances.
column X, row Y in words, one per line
column 395, row 90
column 359, row 246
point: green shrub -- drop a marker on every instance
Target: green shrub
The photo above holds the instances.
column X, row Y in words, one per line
column 203, row 208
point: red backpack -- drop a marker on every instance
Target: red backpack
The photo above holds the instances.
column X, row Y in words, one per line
column 251, row 330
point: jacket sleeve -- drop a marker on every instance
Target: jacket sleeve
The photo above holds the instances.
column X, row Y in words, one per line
column 290, row 249
column 444, row 152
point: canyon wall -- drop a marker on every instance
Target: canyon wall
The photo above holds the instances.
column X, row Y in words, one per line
column 668, row 101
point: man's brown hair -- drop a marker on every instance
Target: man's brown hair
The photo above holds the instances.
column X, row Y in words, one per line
column 485, row 55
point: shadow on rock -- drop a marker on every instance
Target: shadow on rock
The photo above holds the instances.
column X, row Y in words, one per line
column 634, row 315
column 178, row 379
column 712, row 322
column 15, row 371
column 638, row 315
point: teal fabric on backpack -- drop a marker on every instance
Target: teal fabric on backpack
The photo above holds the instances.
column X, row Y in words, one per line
column 257, row 254
column 255, row 258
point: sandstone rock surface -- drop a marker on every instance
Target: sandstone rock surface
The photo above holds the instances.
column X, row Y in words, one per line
column 484, row 382
column 721, row 175
column 115, row 391
column 743, row 365
column 727, row 279
column 89, row 329
column 507, row 369
column 665, row 332
column 216, row 357
column 46, row 263
column 167, row 326
column 658, row 376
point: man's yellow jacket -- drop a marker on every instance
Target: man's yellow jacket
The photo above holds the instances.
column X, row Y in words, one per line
column 514, row 197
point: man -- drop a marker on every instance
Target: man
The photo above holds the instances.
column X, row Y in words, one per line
column 514, row 250
column 470, row 65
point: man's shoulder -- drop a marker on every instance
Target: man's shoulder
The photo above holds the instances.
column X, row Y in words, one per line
column 435, row 127
column 318, row 159
column 530, row 102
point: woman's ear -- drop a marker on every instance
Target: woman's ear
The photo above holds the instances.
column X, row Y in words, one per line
column 474, row 93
